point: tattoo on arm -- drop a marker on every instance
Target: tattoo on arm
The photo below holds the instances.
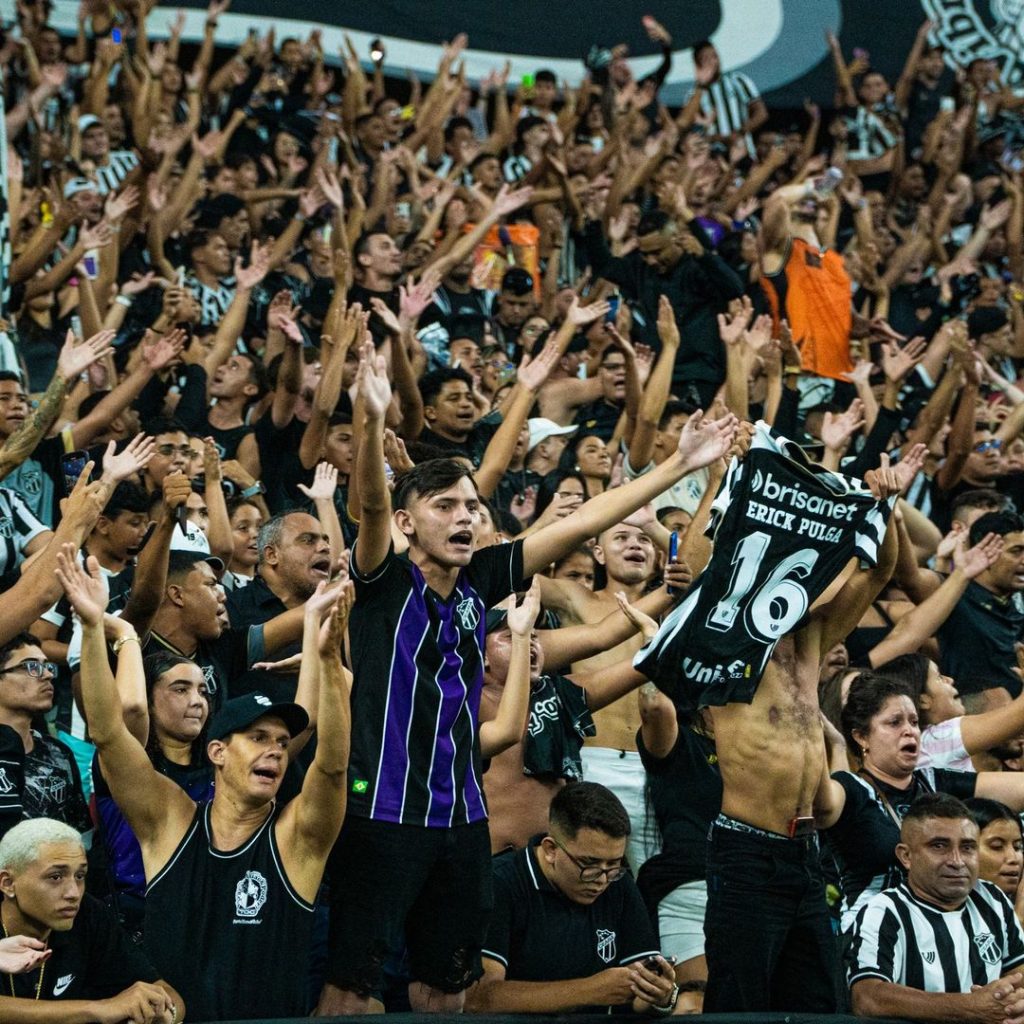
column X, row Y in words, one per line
column 20, row 445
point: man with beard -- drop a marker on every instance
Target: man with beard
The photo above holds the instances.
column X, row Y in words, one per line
column 610, row 757
column 514, row 305
column 673, row 258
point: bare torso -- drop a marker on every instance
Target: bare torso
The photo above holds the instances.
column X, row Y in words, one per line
column 618, row 723
column 771, row 752
column 517, row 804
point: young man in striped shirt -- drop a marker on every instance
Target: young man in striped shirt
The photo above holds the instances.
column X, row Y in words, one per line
column 943, row 945
column 731, row 100
column 412, row 866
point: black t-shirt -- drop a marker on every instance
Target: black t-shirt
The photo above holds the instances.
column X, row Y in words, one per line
column 686, row 794
column 418, row 674
column 194, row 412
column 476, row 442
column 559, row 722
column 600, row 418
column 280, row 465
column 864, row 839
column 223, row 660
column 362, row 295
column 94, row 960
column 539, row 934
column 53, row 784
column 976, row 641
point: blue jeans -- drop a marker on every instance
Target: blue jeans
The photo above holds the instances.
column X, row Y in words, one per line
column 768, row 938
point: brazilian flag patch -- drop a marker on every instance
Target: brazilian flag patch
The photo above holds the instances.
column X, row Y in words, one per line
column 360, row 785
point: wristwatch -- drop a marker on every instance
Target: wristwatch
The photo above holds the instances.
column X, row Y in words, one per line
column 251, row 492
column 666, row 1008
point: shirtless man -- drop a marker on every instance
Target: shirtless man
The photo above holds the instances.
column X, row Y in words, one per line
column 769, row 941
column 561, row 710
column 627, row 551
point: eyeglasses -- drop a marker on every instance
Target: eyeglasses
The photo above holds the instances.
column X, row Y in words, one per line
column 167, row 450
column 591, row 872
column 983, row 446
column 36, row 669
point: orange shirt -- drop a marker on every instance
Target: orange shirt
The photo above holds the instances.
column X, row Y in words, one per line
column 815, row 299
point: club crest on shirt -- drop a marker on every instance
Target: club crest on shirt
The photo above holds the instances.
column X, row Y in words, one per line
column 210, row 678
column 988, row 948
column 6, row 786
column 928, row 956
column 250, row 895
column 606, row 945
column 6, row 528
column 468, row 614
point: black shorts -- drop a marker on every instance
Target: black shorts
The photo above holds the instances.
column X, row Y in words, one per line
column 428, row 889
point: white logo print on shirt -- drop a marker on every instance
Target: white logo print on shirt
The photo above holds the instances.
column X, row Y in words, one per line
column 250, row 895
column 62, row 985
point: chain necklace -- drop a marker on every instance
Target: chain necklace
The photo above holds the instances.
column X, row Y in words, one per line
column 10, row 977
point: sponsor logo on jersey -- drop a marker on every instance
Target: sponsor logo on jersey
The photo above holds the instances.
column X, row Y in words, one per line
column 250, row 896
column 606, row 945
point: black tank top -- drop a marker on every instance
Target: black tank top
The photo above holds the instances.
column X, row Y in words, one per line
column 228, row 439
column 227, row 929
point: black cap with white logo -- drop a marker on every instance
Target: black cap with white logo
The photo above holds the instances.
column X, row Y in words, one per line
column 241, row 712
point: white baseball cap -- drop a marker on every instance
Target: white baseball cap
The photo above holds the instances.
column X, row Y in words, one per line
column 541, row 429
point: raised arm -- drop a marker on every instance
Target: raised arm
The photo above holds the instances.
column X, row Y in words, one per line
column 374, row 497
column 151, row 802
column 310, row 823
column 506, row 728
column 700, row 443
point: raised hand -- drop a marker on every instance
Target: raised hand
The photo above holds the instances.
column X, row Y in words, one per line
column 325, row 483
column 861, row 372
column 387, row 315
column 117, row 206
column 972, row 562
column 910, row 465
column 703, row 441
column 332, row 634
column 259, row 266
column 75, row 359
column 838, row 428
column 414, row 298
column 534, row 371
column 163, row 350
column 521, row 617
column 372, row 381
column 95, row 236
column 330, row 187
column 643, row 622
column 506, row 201
column 580, row 316
column 731, row 325
column 139, row 283
column 281, row 307
column 86, row 591
column 118, row 466
column 898, row 362
column 395, row 453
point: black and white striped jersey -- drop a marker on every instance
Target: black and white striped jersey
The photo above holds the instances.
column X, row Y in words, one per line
column 18, row 526
column 905, row 940
column 727, row 101
column 120, row 163
column 784, row 528
column 868, row 137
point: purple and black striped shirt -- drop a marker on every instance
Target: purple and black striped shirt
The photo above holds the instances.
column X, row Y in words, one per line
column 418, row 673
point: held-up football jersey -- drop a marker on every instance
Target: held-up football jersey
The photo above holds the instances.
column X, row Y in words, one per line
column 783, row 529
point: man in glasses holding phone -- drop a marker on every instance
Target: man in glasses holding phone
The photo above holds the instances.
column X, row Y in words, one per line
column 52, row 786
column 569, row 928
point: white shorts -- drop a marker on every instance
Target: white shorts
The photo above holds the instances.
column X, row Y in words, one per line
column 681, row 921
column 623, row 773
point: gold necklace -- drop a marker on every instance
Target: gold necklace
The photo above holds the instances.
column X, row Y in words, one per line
column 10, row 977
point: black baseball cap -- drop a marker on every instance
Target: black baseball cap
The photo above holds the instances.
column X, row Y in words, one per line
column 240, row 712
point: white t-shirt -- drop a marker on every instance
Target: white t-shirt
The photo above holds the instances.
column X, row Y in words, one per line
column 942, row 746
column 684, row 494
